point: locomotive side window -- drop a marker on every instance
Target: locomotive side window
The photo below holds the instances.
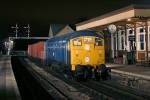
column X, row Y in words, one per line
column 99, row 42
column 77, row 42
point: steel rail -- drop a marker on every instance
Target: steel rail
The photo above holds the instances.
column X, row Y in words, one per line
column 114, row 92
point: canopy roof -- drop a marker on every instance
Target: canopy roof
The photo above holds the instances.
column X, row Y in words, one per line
column 132, row 11
column 74, row 35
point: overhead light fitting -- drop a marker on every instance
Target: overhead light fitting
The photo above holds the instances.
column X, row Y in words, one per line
column 129, row 19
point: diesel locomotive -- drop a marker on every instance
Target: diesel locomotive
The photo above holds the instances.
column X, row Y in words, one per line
column 81, row 53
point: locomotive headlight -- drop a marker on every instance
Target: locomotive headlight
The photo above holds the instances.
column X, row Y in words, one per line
column 87, row 59
column 87, row 47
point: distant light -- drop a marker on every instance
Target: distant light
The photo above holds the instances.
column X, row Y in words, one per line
column 129, row 19
column 11, row 41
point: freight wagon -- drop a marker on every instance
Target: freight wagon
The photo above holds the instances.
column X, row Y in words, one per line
column 37, row 51
column 81, row 53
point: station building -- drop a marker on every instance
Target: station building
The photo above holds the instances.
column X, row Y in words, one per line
column 130, row 43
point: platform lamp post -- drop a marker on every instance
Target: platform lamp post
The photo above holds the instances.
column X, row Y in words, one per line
column 16, row 30
column 28, row 29
column 112, row 29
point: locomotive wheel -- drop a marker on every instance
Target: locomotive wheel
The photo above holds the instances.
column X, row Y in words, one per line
column 105, row 72
column 85, row 73
column 81, row 73
column 77, row 73
column 97, row 73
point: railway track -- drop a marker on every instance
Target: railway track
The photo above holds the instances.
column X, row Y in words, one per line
column 133, row 91
column 116, row 92
column 55, row 87
column 52, row 89
column 29, row 87
column 94, row 95
column 103, row 90
column 108, row 90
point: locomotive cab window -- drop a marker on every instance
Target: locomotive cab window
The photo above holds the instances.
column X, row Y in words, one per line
column 77, row 42
column 99, row 42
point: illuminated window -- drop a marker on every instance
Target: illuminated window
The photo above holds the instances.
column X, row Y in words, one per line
column 77, row 42
column 99, row 42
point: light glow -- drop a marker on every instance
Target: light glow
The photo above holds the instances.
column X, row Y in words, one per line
column 87, row 47
column 87, row 59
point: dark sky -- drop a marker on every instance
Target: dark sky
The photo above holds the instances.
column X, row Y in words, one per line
column 40, row 13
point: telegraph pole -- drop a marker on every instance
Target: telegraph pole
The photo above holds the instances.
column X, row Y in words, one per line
column 28, row 29
column 16, row 30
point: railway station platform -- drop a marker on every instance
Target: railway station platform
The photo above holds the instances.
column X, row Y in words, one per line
column 8, row 86
column 133, row 70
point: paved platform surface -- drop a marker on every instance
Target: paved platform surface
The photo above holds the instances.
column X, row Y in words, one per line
column 8, row 86
column 134, row 69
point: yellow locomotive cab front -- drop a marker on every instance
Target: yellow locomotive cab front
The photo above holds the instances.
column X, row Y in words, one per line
column 87, row 50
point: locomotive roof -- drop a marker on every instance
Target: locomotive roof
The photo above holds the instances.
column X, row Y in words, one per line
column 74, row 35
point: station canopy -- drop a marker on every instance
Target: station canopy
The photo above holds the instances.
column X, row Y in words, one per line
column 127, row 15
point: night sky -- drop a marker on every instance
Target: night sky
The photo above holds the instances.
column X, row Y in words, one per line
column 39, row 14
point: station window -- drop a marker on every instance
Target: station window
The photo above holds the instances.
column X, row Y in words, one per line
column 142, row 46
column 77, row 42
column 122, row 42
column 122, row 32
column 141, row 30
column 99, row 42
column 130, row 31
column 141, row 37
column 142, row 41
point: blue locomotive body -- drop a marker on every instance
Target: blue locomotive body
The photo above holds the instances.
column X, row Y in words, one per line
column 58, row 48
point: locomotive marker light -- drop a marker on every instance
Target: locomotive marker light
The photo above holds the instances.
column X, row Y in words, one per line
column 87, row 47
column 87, row 59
